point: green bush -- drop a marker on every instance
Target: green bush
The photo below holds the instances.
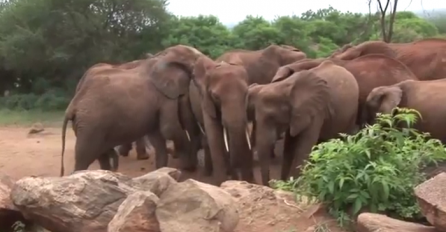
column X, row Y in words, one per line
column 49, row 101
column 376, row 169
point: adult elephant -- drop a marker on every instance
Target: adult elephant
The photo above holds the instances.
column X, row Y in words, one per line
column 425, row 58
column 423, row 96
column 142, row 103
column 261, row 65
column 123, row 149
column 313, row 104
column 218, row 101
column 370, row 71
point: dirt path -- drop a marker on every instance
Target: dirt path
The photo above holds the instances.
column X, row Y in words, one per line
column 23, row 155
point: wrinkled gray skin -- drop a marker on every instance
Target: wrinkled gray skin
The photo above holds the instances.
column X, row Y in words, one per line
column 218, row 96
column 261, row 66
column 123, row 149
column 312, row 104
column 145, row 98
column 423, row 96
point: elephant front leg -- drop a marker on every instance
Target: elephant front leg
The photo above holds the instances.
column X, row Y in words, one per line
column 214, row 134
column 159, row 143
column 141, row 153
column 297, row 150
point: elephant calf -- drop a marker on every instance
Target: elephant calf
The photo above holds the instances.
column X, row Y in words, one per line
column 313, row 105
column 424, row 96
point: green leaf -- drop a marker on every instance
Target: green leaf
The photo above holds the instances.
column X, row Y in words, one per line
column 331, row 187
column 357, row 206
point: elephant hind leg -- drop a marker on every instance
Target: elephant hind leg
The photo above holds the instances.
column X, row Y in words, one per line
column 86, row 152
column 104, row 161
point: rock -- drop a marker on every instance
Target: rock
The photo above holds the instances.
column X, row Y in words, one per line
column 157, row 181
column 83, row 201
column 264, row 209
column 370, row 222
column 9, row 214
column 36, row 128
column 198, row 207
column 431, row 196
column 136, row 214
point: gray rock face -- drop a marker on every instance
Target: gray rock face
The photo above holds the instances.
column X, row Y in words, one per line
column 198, row 207
column 370, row 222
column 84, row 201
column 431, row 196
column 9, row 214
column 136, row 214
column 108, row 201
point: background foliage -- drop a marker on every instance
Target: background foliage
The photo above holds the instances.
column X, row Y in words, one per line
column 46, row 45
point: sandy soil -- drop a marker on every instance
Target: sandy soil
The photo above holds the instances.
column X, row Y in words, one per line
column 39, row 155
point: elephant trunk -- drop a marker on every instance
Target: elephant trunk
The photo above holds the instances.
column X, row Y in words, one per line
column 237, row 144
column 265, row 141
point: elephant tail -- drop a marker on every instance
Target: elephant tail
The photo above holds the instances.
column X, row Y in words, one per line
column 64, row 131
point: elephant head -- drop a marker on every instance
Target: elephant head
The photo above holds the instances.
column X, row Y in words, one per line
column 223, row 88
column 350, row 52
column 294, row 103
column 382, row 99
column 172, row 70
column 284, row 54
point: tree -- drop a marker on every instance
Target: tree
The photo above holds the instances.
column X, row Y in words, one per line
column 46, row 45
column 206, row 33
column 387, row 26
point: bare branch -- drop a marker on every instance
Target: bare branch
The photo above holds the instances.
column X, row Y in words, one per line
column 392, row 20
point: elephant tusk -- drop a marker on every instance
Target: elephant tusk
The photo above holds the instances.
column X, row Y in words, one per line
column 225, row 137
column 201, row 128
column 248, row 138
column 187, row 134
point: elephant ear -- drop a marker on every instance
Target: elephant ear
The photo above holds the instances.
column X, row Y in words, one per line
column 201, row 72
column 172, row 70
column 385, row 98
column 170, row 78
column 309, row 98
column 200, row 78
column 282, row 73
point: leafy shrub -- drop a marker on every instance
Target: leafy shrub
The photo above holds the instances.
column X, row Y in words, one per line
column 49, row 101
column 376, row 169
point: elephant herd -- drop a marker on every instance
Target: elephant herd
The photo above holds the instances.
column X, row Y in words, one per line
column 182, row 95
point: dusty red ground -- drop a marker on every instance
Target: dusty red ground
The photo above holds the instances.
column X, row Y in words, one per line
column 39, row 155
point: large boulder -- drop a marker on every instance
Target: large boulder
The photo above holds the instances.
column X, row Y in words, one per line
column 431, row 196
column 9, row 214
column 264, row 209
column 370, row 222
column 136, row 214
column 84, row 201
column 196, row 206
column 157, row 181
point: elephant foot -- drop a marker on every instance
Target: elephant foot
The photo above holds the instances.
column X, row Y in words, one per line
column 143, row 156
